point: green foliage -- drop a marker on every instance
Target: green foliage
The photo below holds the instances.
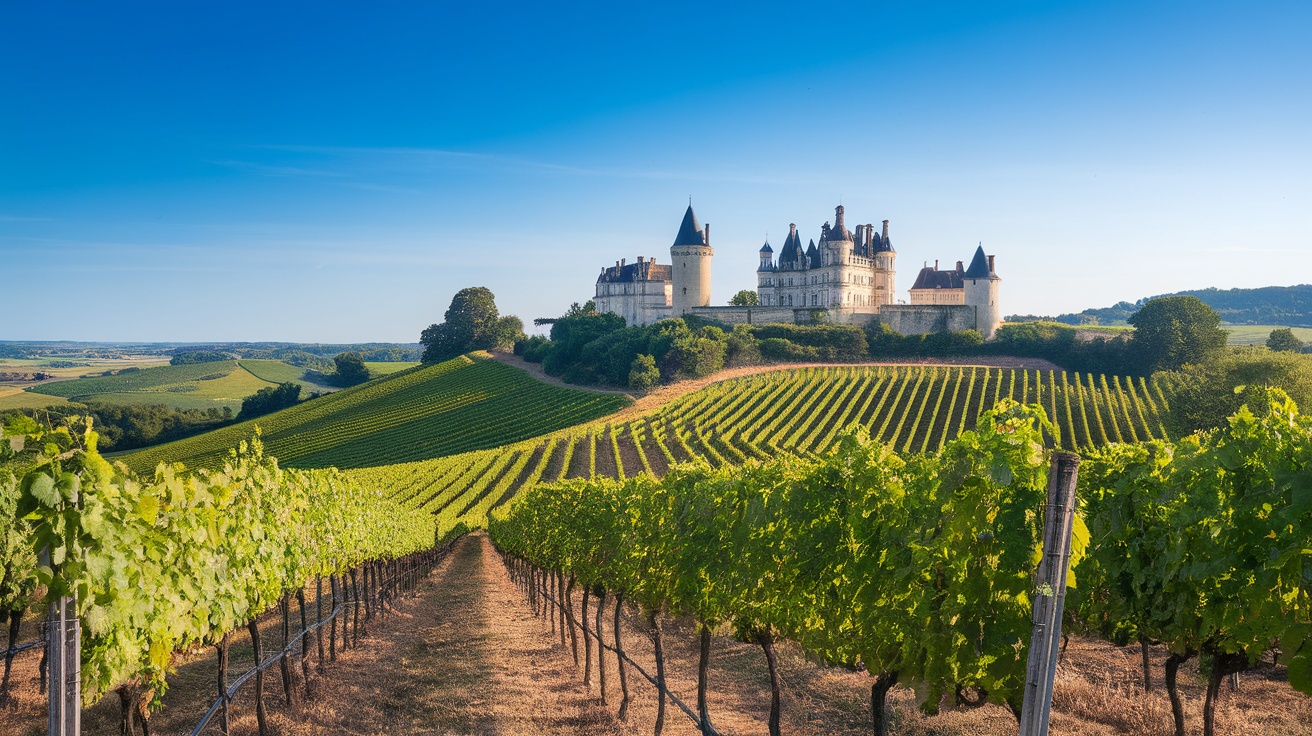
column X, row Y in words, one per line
column 588, row 347
column 829, row 342
column 470, row 323
column 644, row 375
column 270, row 399
column 1203, row 396
column 198, row 356
column 128, row 427
column 350, row 369
column 745, row 298
column 1172, row 331
column 1283, row 340
column 420, row 413
column 179, row 560
column 921, row 566
column 1203, row 545
column 17, row 559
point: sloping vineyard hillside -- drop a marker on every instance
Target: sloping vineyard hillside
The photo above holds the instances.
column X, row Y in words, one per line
column 800, row 411
column 452, row 407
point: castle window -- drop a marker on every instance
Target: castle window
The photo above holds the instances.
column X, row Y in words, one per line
column 685, row 291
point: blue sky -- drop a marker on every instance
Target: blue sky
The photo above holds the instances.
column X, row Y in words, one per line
column 335, row 172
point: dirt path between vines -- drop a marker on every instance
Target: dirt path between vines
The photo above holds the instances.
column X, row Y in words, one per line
column 465, row 655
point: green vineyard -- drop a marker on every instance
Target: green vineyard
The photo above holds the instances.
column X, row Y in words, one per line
column 458, row 406
column 800, row 411
column 129, row 381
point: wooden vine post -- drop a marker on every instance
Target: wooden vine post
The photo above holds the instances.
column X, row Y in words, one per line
column 64, row 655
column 1050, row 594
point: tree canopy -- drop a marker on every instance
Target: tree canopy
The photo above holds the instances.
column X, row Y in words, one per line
column 470, row 323
column 745, row 298
column 350, row 369
column 1175, row 330
column 270, row 399
column 1283, row 340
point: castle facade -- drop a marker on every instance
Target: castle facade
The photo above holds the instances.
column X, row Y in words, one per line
column 848, row 278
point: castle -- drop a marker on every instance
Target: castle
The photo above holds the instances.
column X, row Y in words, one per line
column 847, row 278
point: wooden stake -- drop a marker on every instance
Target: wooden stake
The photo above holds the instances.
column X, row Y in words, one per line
column 1050, row 595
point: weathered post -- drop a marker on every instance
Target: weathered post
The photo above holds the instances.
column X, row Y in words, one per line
column 64, row 657
column 1050, row 594
column 64, row 643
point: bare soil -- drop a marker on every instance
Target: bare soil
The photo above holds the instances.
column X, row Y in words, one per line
column 465, row 655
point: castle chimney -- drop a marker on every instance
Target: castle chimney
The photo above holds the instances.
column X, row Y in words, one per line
column 639, row 259
column 706, row 233
column 617, row 264
column 990, row 264
column 838, row 220
column 960, row 268
column 885, row 229
column 622, row 260
column 935, row 264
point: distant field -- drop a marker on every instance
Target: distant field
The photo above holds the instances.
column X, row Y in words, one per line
column 195, row 386
column 139, row 380
column 378, row 368
column 215, row 393
column 1257, row 334
column 421, row 413
column 276, row 371
column 12, row 397
column 84, row 367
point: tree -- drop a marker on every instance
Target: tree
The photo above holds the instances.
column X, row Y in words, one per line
column 643, row 374
column 350, row 369
column 470, row 323
column 745, row 298
column 1283, row 340
column 1175, row 330
column 270, row 399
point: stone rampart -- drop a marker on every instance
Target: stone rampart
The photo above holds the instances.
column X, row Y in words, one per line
column 919, row 319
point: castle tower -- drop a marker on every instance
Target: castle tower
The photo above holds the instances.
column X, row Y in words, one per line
column 690, row 257
column 885, row 267
column 981, row 283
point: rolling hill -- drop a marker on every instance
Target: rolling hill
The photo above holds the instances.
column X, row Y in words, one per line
column 799, row 411
column 425, row 412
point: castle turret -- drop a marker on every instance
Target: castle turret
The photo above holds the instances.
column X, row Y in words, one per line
column 767, row 257
column 981, row 283
column 691, row 265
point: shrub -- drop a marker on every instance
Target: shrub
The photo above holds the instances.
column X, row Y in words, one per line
column 643, row 373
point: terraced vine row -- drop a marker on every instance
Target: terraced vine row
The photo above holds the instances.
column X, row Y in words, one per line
column 912, row 408
column 452, row 407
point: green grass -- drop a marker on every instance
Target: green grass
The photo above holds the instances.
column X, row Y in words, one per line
column 1257, row 334
column 276, row 371
column 798, row 411
column 381, row 368
column 12, row 397
column 425, row 412
column 210, row 393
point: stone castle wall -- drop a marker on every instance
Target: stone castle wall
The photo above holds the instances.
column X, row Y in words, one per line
column 919, row 319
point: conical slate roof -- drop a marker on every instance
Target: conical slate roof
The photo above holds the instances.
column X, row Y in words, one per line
column 792, row 251
column 979, row 265
column 766, row 248
column 690, row 232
